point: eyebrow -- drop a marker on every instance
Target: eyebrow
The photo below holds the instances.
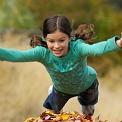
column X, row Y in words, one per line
column 54, row 39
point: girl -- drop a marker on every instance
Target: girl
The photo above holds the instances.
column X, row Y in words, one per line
column 65, row 59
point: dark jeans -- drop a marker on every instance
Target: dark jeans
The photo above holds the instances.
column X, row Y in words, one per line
column 56, row 100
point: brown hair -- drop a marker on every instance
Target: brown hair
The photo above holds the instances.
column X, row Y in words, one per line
column 53, row 23
column 50, row 25
column 37, row 40
column 85, row 32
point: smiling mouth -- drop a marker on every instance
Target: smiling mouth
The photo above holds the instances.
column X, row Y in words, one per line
column 57, row 51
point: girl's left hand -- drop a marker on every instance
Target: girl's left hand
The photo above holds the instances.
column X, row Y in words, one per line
column 119, row 42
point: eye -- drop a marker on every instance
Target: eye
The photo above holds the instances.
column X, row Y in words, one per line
column 51, row 41
column 61, row 40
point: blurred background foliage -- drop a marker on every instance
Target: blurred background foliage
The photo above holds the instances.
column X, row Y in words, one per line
column 28, row 14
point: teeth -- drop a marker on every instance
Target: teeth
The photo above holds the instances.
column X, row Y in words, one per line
column 58, row 50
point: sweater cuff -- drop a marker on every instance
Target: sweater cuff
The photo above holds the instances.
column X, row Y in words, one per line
column 115, row 38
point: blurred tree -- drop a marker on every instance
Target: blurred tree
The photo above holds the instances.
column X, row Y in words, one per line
column 30, row 14
column 45, row 8
column 15, row 15
column 116, row 3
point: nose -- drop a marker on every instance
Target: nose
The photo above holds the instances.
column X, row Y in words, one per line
column 56, row 45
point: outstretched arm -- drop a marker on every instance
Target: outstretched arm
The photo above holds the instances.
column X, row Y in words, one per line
column 100, row 48
column 12, row 55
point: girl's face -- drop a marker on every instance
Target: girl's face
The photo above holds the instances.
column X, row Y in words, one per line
column 58, row 43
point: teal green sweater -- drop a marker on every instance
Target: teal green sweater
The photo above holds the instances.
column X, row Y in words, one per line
column 70, row 74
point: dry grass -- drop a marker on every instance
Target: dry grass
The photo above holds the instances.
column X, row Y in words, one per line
column 23, row 88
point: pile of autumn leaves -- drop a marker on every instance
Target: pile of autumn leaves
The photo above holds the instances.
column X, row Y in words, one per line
column 49, row 116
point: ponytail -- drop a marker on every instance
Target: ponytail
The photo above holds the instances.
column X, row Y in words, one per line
column 37, row 40
column 85, row 32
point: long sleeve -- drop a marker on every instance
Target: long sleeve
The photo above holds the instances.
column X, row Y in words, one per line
column 98, row 48
column 12, row 55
